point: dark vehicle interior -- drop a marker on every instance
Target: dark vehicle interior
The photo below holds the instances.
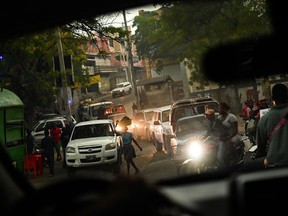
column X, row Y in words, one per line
column 250, row 191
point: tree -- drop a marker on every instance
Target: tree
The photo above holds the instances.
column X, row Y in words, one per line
column 185, row 31
column 28, row 69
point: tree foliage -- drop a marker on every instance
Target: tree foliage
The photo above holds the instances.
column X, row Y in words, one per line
column 28, row 66
column 186, row 31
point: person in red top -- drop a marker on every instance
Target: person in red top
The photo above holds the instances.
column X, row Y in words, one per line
column 247, row 111
column 55, row 133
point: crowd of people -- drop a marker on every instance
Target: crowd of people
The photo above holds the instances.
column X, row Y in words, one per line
column 268, row 131
column 54, row 138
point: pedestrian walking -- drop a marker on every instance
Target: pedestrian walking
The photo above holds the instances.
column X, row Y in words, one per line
column 48, row 144
column 65, row 135
column 128, row 149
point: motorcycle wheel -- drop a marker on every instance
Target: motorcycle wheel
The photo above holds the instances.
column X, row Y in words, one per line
column 190, row 167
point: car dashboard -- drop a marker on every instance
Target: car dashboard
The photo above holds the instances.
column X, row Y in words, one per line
column 241, row 193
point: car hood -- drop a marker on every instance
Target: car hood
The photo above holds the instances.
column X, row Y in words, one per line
column 92, row 141
column 182, row 139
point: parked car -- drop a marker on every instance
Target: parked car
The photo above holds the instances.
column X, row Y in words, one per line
column 48, row 116
column 121, row 89
column 39, row 127
column 160, row 128
column 93, row 143
column 141, row 124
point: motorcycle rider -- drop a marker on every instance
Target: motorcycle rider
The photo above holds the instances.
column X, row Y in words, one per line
column 215, row 132
column 231, row 137
column 225, row 129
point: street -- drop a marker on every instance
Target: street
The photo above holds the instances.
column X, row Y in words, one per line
column 153, row 166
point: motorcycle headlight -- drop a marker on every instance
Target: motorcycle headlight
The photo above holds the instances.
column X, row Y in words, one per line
column 195, row 149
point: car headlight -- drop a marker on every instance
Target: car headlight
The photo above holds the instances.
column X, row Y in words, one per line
column 110, row 146
column 70, row 150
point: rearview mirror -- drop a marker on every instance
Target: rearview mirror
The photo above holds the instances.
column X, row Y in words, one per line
column 246, row 60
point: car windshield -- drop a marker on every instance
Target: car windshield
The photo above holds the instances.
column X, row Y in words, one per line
column 120, row 85
column 167, row 52
column 92, row 131
column 191, row 125
column 149, row 115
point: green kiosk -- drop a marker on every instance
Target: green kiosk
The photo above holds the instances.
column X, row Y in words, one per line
column 12, row 133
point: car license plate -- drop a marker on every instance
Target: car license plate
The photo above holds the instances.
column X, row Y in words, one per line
column 90, row 158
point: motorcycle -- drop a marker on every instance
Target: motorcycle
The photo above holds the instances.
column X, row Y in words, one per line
column 201, row 155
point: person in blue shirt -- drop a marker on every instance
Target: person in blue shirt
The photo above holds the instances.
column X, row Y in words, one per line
column 128, row 149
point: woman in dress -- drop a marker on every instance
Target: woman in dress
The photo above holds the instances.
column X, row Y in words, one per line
column 128, row 149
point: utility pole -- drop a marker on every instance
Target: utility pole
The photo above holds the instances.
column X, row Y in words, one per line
column 130, row 60
column 63, row 75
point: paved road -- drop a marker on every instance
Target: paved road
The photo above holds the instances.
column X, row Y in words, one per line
column 153, row 166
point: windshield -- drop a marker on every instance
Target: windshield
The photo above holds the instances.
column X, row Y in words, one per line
column 162, row 53
column 92, row 130
column 149, row 115
column 191, row 125
column 120, row 85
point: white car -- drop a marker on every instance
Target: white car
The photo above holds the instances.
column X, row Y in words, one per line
column 141, row 124
column 94, row 143
column 122, row 88
column 39, row 127
column 161, row 128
